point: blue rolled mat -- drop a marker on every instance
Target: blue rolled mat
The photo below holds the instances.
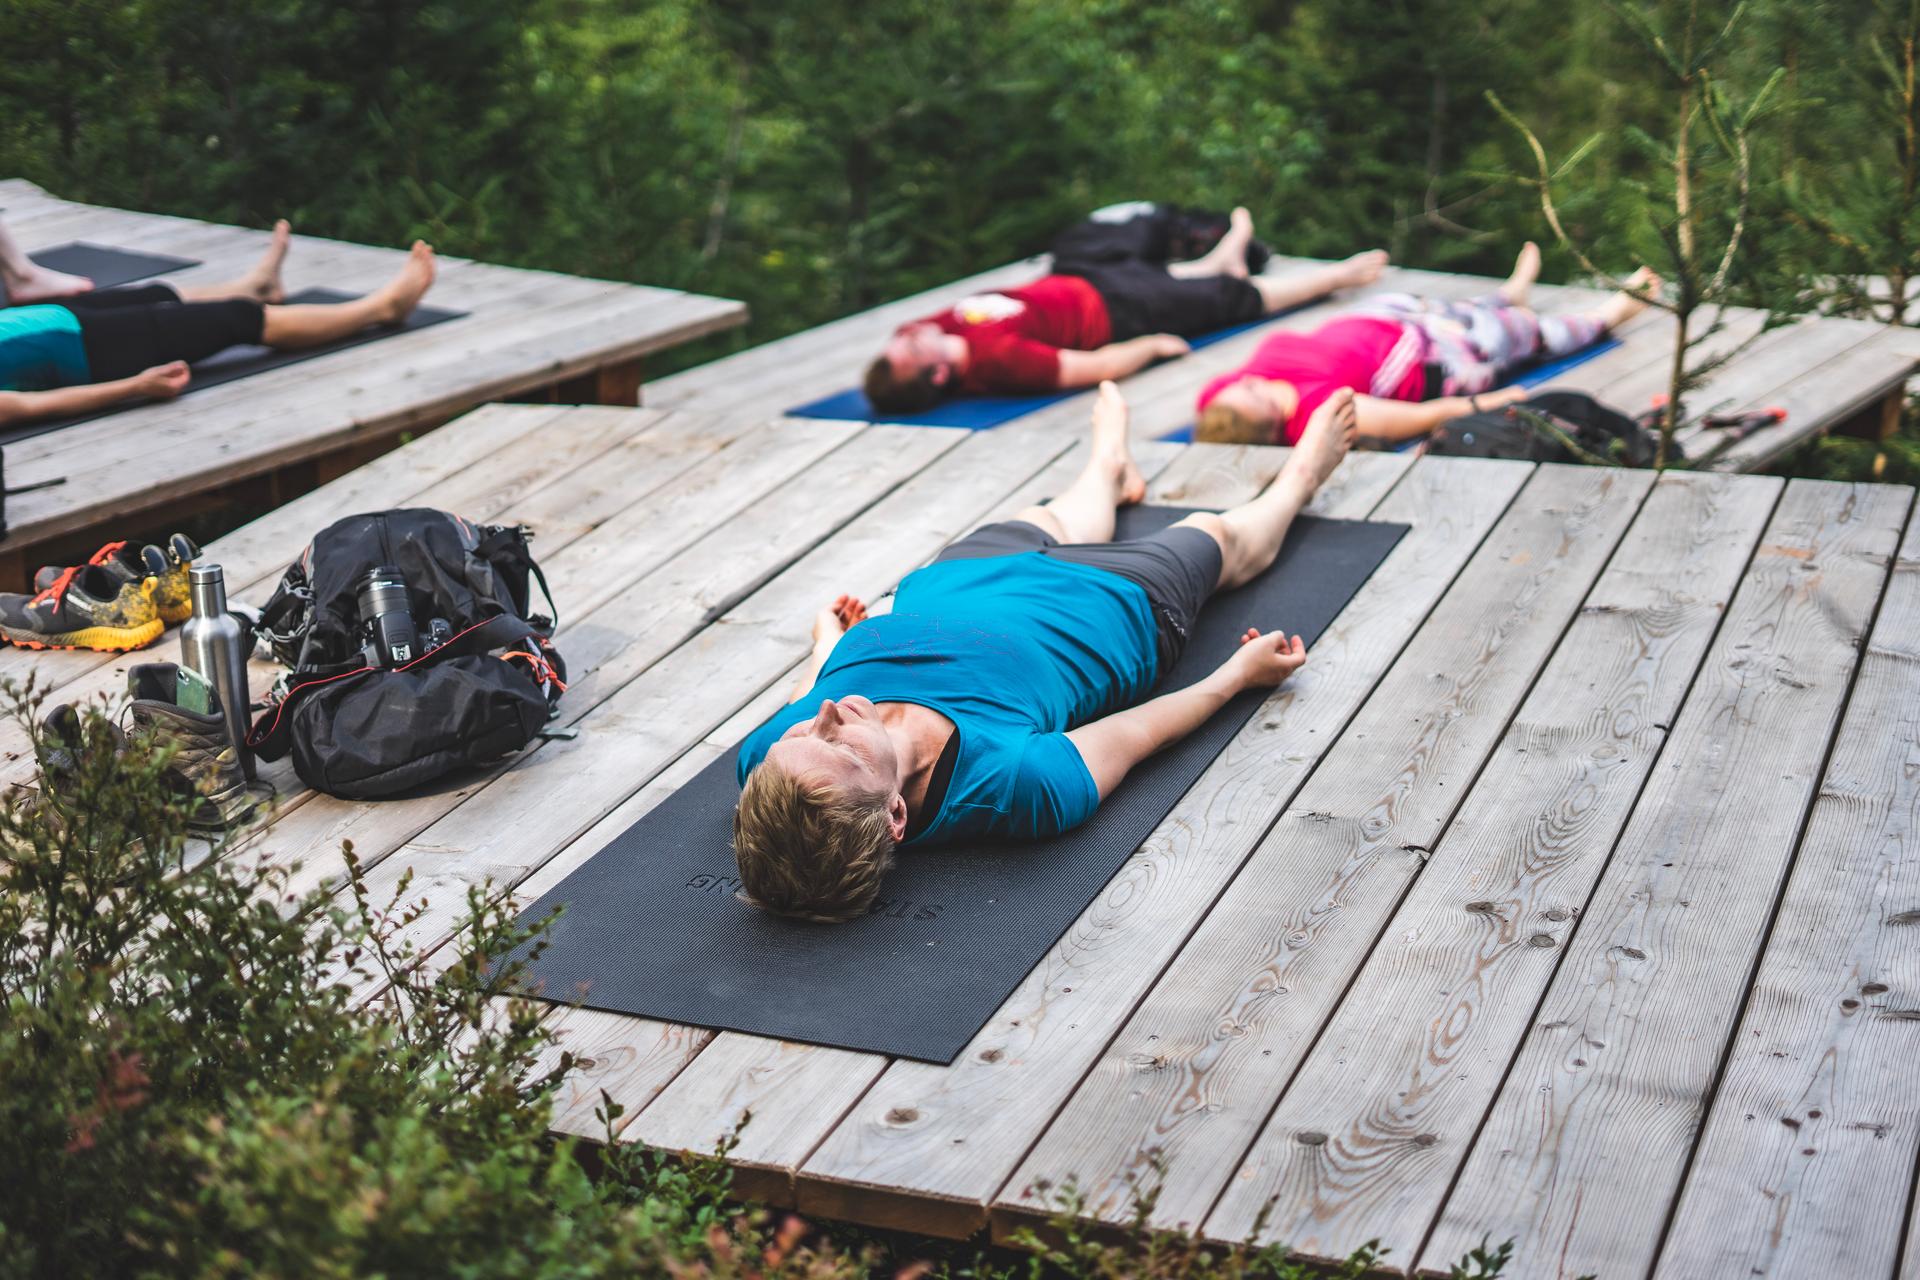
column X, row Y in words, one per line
column 651, row 926
column 976, row 413
column 1530, row 375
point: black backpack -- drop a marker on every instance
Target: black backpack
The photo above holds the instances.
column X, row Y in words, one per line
column 1576, row 428
column 361, row 730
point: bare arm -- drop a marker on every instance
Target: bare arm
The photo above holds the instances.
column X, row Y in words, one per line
column 1111, row 746
column 1117, row 359
column 165, row 381
column 829, row 625
column 1398, row 420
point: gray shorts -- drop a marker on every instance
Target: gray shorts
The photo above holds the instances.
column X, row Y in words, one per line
column 1178, row 568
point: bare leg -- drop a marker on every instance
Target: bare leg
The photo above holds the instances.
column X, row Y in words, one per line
column 1632, row 300
column 288, row 328
column 1300, row 287
column 1228, row 258
column 1250, row 535
column 1084, row 511
column 27, row 281
column 1526, row 270
column 262, row 283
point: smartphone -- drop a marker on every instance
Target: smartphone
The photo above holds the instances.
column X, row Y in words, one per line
column 193, row 692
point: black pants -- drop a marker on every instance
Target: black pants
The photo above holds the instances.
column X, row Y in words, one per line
column 126, row 330
column 1177, row 567
column 1125, row 260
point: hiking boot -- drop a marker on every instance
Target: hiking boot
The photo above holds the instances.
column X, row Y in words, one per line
column 86, row 607
column 167, row 565
column 203, row 765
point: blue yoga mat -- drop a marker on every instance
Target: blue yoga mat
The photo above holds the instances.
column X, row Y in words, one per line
column 1531, row 375
column 976, row 413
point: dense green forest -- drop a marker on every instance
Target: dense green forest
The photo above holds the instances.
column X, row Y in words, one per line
column 815, row 159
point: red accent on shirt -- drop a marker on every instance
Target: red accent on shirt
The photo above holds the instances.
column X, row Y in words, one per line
column 1344, row 352
column 1014, row 336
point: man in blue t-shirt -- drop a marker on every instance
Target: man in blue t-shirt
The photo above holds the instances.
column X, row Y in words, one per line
column 1002, row 693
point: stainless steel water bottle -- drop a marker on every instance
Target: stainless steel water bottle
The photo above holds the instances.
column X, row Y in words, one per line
column 214, row 643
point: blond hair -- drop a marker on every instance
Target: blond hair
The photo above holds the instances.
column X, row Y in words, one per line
column 1223, row 424
column 817, row 853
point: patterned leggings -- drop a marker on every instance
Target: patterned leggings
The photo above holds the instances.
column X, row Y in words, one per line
column 1478, row 342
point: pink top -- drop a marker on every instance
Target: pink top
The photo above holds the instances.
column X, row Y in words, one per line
column 1371, row 355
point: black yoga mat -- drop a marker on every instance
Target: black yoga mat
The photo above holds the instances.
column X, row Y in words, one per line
column 244, row 361
column 108, row 267
column 651, row 926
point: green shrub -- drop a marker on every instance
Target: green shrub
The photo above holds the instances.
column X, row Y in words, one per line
column 180, row 1097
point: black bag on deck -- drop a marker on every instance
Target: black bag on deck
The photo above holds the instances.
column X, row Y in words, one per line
column 1599, row 432
column 360, row 728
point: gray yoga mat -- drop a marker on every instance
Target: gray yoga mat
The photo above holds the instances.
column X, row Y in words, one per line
column 244, row 361
column 651, row 926
column 108, row 267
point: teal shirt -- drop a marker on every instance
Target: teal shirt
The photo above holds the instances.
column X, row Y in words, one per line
column 40, row 348
column 1015, row 650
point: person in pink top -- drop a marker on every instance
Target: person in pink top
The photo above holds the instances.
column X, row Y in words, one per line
column 1412, row 363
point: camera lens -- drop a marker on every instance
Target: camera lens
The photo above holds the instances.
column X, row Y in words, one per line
column 388, row 617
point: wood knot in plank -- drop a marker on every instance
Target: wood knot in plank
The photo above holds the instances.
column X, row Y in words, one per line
column 1899, row 1015
column 1873, row 989
column 1425, row 1139
column 1542, row 940
column 1904, row 917
column 902, row 1115
column 1310, row 1138
column 1483, row 907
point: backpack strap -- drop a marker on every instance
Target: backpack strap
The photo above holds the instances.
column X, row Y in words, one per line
column 509, row 544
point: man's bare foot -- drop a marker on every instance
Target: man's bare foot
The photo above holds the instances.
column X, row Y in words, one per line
column 1110, row 417
column 263, row 282
column 1328, row 437
column 37, row 284
column 1363, row 268
column 1526, row 270
column 1640, row 287
column 400, row 295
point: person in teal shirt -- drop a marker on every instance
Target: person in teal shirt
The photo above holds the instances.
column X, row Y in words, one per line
column 92, row 350
column 1006, row 691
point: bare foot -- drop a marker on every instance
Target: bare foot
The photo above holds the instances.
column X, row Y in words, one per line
column 1110, row 416
column 400, row 295
column 263, row 282
column 1526, row 270
column 1623, row 306
column 1364, row 268
column 1328, row 437
column 39, row 284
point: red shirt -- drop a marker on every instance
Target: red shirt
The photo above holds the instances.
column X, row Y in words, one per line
column 1014, row 336
column 1373, row 356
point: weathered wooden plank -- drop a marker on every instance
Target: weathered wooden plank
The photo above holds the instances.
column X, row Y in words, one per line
column 1398, row 1082
column 1828, row 396
column 1194, row 1072
column 1806, row 1163
column 929, row 1146
column 1581, row 1156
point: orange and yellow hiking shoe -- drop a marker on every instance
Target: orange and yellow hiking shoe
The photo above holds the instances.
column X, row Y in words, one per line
column 86, row 607
column 166, row 565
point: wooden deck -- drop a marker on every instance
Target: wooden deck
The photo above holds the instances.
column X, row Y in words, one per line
column 1565, row 897
column 529, row 334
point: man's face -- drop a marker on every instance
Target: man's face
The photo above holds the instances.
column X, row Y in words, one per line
column 918, row 348
column 844, row 747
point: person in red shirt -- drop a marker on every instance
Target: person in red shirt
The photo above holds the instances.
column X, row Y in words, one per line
column 1413, row 363
column 1111, row 307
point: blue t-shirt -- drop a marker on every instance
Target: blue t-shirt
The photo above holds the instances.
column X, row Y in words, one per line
column 1015, row 650
column 40, row 348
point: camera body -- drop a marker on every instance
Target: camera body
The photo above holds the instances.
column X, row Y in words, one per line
column 390, row 637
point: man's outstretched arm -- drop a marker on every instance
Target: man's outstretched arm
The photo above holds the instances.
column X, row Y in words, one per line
column 829, row 625
column 1110, row 747
column 1117, row 360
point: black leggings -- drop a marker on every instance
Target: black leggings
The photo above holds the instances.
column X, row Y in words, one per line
column 126, row 330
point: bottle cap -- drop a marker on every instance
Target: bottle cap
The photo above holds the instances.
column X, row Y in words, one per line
column 204, row 573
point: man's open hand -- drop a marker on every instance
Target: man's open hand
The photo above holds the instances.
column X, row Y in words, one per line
column 833, row 621
column 1264, row 659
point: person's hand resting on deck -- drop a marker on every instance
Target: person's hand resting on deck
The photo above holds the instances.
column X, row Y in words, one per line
column 1265, row 659
column 1167, row 346
column 829, row 625
column 163, row 381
